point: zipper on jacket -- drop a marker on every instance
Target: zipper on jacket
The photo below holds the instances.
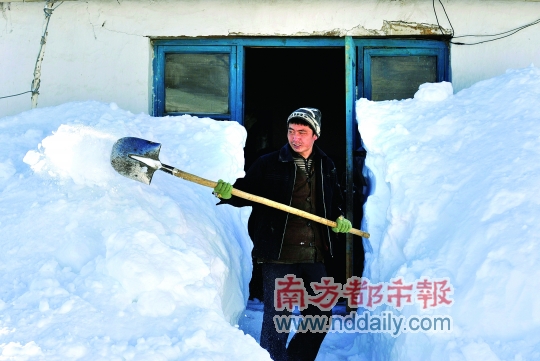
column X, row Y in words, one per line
column 324, row 207
column 287, row 218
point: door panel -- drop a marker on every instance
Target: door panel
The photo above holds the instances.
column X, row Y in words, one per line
column 398, row 77
column 394, row 69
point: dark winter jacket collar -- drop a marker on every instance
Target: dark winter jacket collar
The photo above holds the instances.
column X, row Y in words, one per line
column 286, row 153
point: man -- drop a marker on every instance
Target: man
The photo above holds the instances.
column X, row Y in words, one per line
column 300, row 175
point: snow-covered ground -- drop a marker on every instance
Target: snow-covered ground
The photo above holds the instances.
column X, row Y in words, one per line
column 95, row 266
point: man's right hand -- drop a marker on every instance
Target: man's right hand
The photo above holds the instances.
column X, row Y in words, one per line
column 223, row 190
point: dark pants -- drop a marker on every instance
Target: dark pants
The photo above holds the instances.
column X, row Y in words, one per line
column 303, row 345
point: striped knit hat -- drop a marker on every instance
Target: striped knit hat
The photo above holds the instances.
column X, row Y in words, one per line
column 311, row 115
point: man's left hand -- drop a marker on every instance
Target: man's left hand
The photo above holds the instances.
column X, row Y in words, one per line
column 343, row 225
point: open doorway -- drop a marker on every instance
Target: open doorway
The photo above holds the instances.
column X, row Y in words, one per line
column 279, row 81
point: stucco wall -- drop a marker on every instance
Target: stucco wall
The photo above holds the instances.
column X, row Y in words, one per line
column 101, row 50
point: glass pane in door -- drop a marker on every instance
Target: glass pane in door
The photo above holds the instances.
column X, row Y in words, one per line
column 197, row 83
column 398, row 77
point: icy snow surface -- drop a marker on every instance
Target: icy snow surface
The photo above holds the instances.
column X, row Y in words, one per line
column 95, row 266
column 455, row 185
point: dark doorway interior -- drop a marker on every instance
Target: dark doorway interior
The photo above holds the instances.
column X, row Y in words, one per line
column 279, row 81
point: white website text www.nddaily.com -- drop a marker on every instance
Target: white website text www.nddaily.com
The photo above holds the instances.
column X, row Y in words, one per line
column 386, row 322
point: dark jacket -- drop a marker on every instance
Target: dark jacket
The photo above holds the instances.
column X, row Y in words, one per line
column 272, row 176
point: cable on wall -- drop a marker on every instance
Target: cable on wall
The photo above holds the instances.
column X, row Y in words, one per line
column 504, row 34
column 15, row 95
column 498, row 36
column 445, row 13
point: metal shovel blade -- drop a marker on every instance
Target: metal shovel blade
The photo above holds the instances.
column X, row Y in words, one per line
column 124, row 164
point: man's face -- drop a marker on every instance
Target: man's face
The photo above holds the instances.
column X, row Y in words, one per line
column 301, row 139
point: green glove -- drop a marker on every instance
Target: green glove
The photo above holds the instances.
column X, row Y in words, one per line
column 223, row 190
column 343, row 225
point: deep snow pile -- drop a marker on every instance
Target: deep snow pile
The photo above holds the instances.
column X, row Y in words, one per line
column 95, row 266
column 455, row 193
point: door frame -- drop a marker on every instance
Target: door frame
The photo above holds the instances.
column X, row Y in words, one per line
column 357, row 80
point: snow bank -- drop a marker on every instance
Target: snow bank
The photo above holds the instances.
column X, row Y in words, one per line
column 455, row 182
column 95, row 266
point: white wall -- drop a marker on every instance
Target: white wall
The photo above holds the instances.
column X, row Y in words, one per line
column 101, row 50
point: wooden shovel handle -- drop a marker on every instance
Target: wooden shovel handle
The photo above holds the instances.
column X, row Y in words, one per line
column 250, row 197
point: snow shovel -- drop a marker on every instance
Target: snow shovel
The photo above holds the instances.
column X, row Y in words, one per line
column 138, row 159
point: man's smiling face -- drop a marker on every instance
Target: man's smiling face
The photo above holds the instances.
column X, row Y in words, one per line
column 301, row 139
